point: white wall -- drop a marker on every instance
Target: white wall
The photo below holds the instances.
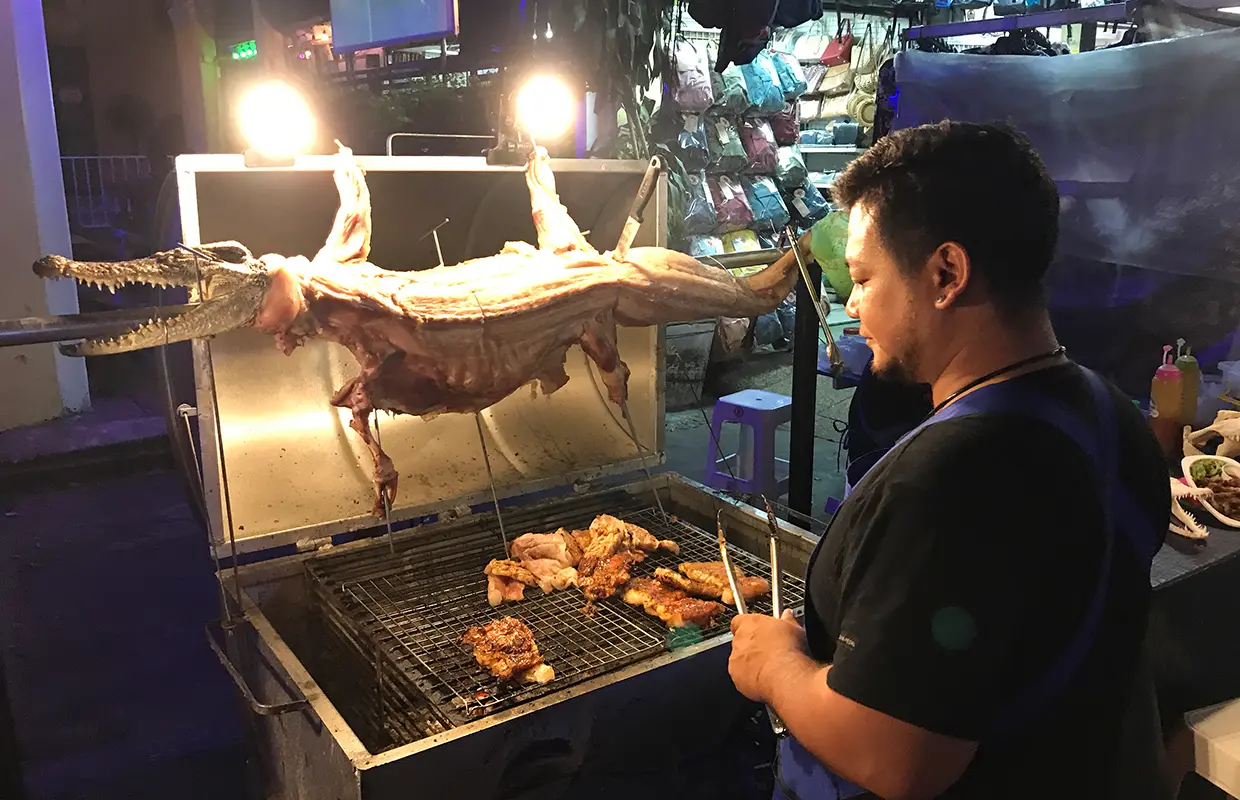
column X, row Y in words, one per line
column 36, row 382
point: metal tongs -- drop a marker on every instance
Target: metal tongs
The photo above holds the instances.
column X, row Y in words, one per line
column 777, row 724
column 815, row 294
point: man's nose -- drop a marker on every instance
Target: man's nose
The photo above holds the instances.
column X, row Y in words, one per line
column 852, row 307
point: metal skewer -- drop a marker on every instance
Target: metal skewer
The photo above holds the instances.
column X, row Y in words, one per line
column 482, row 439
column 387, row 506
column 641, row 455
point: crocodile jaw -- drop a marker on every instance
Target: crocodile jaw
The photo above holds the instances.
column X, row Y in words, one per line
column 233, row 311
column 230, row 283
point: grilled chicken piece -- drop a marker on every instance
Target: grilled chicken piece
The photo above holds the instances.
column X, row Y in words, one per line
column 675, row 580
column 543, row 673
column 634, row 535
column 506, row 581
column 610, row 575
column 507, row 568
column 559, row 546
column 551, row 574
column 507, row 648
column 713, row 575
column 674, row 606
column 583, row 539
column 500, row 590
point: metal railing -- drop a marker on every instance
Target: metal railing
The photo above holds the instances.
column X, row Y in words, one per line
column 96, row 187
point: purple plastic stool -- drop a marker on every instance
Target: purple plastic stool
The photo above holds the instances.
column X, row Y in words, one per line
column 754, row 464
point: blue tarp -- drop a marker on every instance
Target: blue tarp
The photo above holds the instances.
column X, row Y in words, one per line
column 1142, row 141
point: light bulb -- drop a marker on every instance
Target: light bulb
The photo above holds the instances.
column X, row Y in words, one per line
column 275, row 120
column 545, row 107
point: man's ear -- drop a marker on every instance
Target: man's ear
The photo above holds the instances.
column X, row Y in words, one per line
column 951, row 272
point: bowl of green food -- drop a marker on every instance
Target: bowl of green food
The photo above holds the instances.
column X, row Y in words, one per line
column 1222, row 477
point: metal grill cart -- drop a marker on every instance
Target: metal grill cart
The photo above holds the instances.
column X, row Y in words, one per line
column 347, row 647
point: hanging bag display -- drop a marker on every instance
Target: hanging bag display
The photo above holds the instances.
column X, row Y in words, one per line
column 790, row 172
column 828, row 238
column 691, row 143
column 766, row 204
column 741, row 242
column 690, row 84
column 703, row 247
column 837, row 58
column 731, row 205
column 699, row 210
column 727, row 152
column 766, row 94
column 806, row 204
column 791, row 77
column 731, row 96
column 785, row 126
column 760, row 146
column 862, row 100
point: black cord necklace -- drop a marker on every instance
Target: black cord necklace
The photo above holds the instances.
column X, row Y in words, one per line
column 990, row 376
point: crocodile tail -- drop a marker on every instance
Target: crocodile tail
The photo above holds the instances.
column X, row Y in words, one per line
column 776, row 281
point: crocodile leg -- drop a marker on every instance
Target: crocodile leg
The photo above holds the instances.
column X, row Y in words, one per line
column 556, row 230
column 599, row 343
column 353, row 397
column 349, row 240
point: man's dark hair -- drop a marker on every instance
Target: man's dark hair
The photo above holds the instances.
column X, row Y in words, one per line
column 981, row 186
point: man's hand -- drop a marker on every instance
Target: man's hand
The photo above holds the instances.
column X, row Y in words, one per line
column 758, row 642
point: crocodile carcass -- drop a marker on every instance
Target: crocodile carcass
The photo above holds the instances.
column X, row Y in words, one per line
column 456, row 338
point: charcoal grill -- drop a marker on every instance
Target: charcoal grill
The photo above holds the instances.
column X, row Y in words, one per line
column 342, row 635
column 411, row 608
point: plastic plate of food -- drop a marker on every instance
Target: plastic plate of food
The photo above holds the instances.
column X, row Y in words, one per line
column 1221, row 476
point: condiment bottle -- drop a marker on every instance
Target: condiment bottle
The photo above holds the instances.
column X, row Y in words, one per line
column 1191, row 372
column 1166, row 399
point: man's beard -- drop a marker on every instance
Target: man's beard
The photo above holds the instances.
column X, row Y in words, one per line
column 901, row 369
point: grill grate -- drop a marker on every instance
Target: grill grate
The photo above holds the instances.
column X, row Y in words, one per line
column 395, row 621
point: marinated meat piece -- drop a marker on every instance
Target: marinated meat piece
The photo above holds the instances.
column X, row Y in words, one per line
column 506, row 581
column 634, row 535
column 610, row 575
column 551, row 574
column 507, row 568
column 543, row 673
column 714, row 575
column 507, row 648
column 601, row 548
column 558, row 546
column 501, row 589
column 677, row 581
column 583, row 539
column 1226, row 497
column 673, row 606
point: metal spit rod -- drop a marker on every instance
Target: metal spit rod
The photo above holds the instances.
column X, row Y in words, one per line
column 71, row 327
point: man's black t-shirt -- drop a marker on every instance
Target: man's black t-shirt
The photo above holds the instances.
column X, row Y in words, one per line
column 961, row 566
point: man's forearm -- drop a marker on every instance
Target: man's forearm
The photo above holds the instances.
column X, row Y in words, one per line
column 879, row 753
column 795, row 685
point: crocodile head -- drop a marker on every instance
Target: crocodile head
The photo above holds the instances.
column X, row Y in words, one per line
column 231, row 285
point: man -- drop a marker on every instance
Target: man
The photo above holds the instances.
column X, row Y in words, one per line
column 976, row 612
